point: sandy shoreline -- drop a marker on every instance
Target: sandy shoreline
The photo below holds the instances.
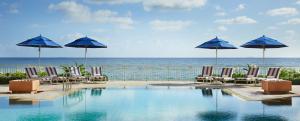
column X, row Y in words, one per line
column 245, row 92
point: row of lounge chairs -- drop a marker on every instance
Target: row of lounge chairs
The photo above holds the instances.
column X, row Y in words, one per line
column 226, row 75
column 73, row 75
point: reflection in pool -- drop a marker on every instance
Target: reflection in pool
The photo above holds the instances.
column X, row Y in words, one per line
column 140, row 104
column 40, row 117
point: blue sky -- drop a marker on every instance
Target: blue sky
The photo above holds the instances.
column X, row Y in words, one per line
column 149, row 28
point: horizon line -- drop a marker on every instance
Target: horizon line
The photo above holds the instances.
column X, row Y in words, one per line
column 153, row 57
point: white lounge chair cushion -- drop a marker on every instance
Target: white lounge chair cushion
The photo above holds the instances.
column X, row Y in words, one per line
column 250, row 76
column 204, row 78
column 34, row 76
column 251, row 79
column 97, row 75
column 228, row 78
column 225, row 76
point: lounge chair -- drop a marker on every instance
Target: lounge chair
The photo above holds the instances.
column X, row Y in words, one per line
column 273, row 74
column 206, row 74
column 226, row 75
column 207, row 92
column 96, row 74
column 96, row 91
column 53, row 75
column 75, row 74
column 250, row 77
column 32, row 73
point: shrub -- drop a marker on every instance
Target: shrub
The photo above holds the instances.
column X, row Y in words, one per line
column 81, row 66
column 42, row 74
column 5, row 78
column 238, row 75
column 289, row 74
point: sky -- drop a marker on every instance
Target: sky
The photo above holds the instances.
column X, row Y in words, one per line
column 149, row 28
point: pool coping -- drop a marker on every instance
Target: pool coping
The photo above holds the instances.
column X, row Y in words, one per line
column 245, row 92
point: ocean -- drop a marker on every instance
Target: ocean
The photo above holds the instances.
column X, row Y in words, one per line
column 149, row 68
column 153, row 61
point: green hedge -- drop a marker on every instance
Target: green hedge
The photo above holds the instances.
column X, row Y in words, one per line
column 5, row 78
column 289, row 74
column 296, row 82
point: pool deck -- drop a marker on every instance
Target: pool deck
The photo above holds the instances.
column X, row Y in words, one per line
column 245, row 92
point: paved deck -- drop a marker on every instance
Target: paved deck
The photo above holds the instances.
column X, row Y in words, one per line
column 246, row 92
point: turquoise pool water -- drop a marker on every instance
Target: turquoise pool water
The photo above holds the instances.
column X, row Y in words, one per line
column 150, row 104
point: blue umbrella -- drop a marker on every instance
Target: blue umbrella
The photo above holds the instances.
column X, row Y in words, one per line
column 86, row 42
column 216, row 43
column 263, row 43
column 39, row 42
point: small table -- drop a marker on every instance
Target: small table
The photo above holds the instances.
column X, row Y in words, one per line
column 24, row 86
column 276, row 86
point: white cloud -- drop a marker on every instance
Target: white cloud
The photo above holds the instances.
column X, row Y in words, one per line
column 113, row 1
column 218, row 7
column 156, row 4
column 221, row 14
column 99, row 30
column 13, row 8
column 76, row 12
column 107, row 16
column 286, row 11
column 173, row 4
column 291, row 35
column 290, row 32
column 240, row 7
column 298, row 2
column 37, row 26
column 272, row 28
column 71, row 37
column 169, row 25
column 222, row 28
column 237, row 20
column 292, row 21
column 220, row 11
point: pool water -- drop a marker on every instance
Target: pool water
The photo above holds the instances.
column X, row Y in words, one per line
column 150, row 104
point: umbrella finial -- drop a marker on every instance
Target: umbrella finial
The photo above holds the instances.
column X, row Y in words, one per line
column 216, row 37
column 40, row 35
column 263, row 36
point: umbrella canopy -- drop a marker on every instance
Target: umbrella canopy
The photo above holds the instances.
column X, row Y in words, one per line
column 263, row 43
column 40, row 117
column 86, row 42
column 87, row 116
column 39, row 42
column 216, row 44
column 217, row 116
column 258, row 117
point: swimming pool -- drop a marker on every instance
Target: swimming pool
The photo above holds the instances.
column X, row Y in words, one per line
column 148, row 104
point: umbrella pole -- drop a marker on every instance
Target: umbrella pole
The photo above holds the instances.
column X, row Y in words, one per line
column 85, row 57
column 39, row 63
column 216, row 56
column 85, row 63
column 264, row 51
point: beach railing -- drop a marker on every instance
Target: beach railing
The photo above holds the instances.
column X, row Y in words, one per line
column 145, row 72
